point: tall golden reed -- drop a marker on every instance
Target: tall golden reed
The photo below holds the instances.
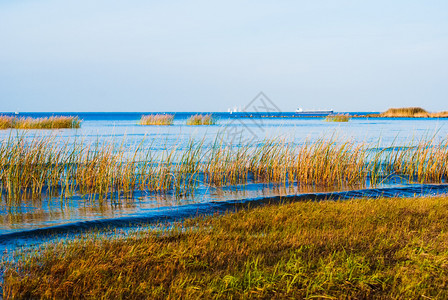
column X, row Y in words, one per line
column 55, row 122
column 199, row 119
column 31, row 168
column 157, row 119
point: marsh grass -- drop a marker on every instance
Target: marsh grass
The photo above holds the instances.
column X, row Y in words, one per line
column 31, row 168
column 56, row 122
column 405, row 112
column 411, row 112
column 358, row 249
column 6, row 122
column 201, row 120
column 338, row 118
column 157, row 119
column 442, row 114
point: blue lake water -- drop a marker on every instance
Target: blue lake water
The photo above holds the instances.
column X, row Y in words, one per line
column 120, row 126
column 124, row 128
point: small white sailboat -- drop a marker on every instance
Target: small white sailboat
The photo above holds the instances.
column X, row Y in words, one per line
column 234, row 109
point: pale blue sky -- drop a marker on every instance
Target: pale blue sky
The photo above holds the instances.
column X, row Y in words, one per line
column 208, row 55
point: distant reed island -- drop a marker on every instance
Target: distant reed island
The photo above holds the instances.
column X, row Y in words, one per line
column 168, row 119
column 157, row 119
column 201, row 120
column 55, row 122
column 338, row 118
column 408, row 112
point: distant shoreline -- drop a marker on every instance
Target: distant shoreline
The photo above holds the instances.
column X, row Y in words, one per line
column 410, row 112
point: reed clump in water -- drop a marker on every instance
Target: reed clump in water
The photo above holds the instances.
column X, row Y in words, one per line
column 56, row 122
column 30, row 167
column 359, row 249
column 322, row 163
column 425, row 162
column 338, row 118
column 157, row 119
column 201, row 120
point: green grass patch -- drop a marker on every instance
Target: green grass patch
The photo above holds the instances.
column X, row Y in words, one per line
column 383, row 248
column 337, row 118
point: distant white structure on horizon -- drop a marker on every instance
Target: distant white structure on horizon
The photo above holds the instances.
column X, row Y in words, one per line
column 234, row 109
column 314, row 112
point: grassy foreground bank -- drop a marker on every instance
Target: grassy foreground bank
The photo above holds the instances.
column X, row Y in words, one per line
column 392, row 248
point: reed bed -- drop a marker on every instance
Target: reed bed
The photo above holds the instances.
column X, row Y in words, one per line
column 31, row 168
column 6, row 122
column 405, row 112
column 411, row 112
column 338, row 118
column 201, row 120
column 56, row 122
column 357, row 249
column 442, row 114
column 157, row 119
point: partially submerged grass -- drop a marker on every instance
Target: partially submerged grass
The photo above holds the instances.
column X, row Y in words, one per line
column 32, row 168
column 157, row 119
column 55, row 122
column 338, row 118
column 201, row 120
column 359, row 249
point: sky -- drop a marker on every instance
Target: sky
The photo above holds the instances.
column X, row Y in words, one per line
column 175, row 55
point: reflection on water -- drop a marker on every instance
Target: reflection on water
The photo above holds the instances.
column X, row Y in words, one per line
column 51, row 211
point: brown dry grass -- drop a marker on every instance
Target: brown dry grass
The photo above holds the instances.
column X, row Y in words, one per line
column 411, row 112
column 28, row 167
column 442, row 114
column 201, row 120
column 157, row 119
column 56, row 122
column 405, row 112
